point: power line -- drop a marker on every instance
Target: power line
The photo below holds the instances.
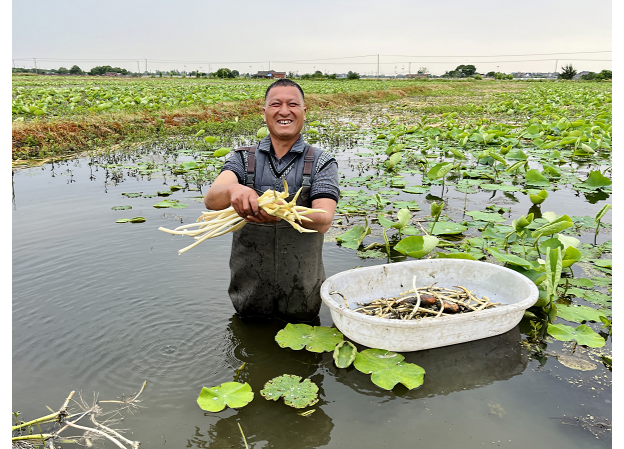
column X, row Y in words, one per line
column 498, row 56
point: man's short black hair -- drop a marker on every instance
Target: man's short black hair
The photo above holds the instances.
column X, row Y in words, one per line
column 283, row 82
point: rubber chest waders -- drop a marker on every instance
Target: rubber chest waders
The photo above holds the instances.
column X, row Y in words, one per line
column 275, row 269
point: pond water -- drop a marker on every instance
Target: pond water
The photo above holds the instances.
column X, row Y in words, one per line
column 100, row 307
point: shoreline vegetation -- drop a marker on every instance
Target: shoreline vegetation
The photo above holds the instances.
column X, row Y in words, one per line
column 43, row 139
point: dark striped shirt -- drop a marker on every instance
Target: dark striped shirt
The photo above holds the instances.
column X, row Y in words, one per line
column 325, row 176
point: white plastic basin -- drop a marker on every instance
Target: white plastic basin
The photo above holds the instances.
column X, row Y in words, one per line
column 515, row 292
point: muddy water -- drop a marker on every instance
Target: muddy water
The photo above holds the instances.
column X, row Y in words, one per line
column 99, row 307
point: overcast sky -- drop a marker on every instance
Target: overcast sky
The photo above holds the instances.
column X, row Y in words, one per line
column 247, row 35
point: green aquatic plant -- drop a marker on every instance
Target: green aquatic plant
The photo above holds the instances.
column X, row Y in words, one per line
column 231, row 394
column 344, row 354
column 312, row 338
column 296, row 393
column 388, row 369
column 601, row 213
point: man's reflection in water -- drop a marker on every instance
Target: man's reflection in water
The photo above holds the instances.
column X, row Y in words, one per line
column 267, row 424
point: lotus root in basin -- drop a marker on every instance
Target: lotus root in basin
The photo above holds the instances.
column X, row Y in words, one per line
column 512, row 290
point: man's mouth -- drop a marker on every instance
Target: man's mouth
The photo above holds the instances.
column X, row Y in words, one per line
column 284, row 122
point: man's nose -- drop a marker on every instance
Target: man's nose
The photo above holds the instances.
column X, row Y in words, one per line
column 284, row 109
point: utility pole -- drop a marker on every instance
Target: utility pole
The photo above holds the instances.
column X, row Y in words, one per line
column 269, row 66
column 35, row 59
column 556, row 63
column 138, row 69
column 377, row 66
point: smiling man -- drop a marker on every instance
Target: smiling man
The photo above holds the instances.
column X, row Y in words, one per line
column 275, row 270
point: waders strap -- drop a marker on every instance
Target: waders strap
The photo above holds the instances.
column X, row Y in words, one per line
column 308, row 161
column 251, row 164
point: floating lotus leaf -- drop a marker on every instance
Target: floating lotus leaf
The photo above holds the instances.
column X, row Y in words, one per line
column 447, row 227
column 486, row 216
column 121, row 207
column 175, row 188
column 313, row 338
column 132, row 195
column 296, row 394
column 578, row 314
column 123, row 220
column 137, row 220
column 411, row 205
column 583, row 334
column 387, row 369
column 210, row 139
column 164, row 192
column 232, row 394
column 416, row 189
column 174, row 204
column 576, row 363
column 188, row 165
column 501, row 187
column 344, row 354
column 417, row 246
column 605, row 263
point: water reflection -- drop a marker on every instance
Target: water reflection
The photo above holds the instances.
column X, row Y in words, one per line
column 453, row 368
column 253, row 342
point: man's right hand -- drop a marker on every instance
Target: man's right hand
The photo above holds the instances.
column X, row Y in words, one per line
column 244, row 200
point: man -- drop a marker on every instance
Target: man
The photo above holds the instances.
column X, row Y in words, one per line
column 275, row 270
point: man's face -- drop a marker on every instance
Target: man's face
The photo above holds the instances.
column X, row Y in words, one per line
column 284, row 112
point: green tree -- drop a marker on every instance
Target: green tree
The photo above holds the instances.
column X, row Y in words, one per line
column 224, row 73
column 466, row 70
column 491, row 74
column 353, row 75
column 589, row 76
column 236, row 73
column 567, row 72
column 62, row 70
column 75, row 70
column 605, row 75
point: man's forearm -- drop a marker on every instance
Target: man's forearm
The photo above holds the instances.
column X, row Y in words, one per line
column 217, row 197
column 321, row 222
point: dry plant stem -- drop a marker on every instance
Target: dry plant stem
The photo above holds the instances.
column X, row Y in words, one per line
column 131, row 400
column 99, row 432
column 47, row 417
column 133, row 444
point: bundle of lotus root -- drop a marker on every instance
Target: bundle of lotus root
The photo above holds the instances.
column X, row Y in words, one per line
column 219, row 222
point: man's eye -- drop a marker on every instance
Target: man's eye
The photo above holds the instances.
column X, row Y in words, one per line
column 294, row 105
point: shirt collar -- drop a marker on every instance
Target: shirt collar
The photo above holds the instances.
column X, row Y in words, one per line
column 266, row 146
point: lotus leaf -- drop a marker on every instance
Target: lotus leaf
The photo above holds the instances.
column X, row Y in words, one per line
column 262, row 133
column 583, row 334
column 570, row 257
column 539, row 198
column 596, row 180
column 411, row 205
column 516, row 154
column 296, row 394
column 601, row 213
column 132, row 195
column 578, row 314
column 353, row 237
column 440, row 170
column 344, row 354
column 501, row 187
column 232, row 394
column 137, row 220
column 535, row 178
column 416, row 189
column 605, row 263
column 164, row 192
column 174, row 204
column 417, row 246
column 387, row 369
column 510, row 258
column 486, row 216
column 175, row 188
column 121, row 207
column 465, row 256
column 188, row 165
column 313, row 338
column 222, row 152
column 123, row 220
column 447, row 228
column 554, row 226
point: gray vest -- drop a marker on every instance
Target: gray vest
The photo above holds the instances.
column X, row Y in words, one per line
column 275, row 269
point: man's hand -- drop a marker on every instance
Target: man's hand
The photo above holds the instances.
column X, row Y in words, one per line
column 244, row 200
